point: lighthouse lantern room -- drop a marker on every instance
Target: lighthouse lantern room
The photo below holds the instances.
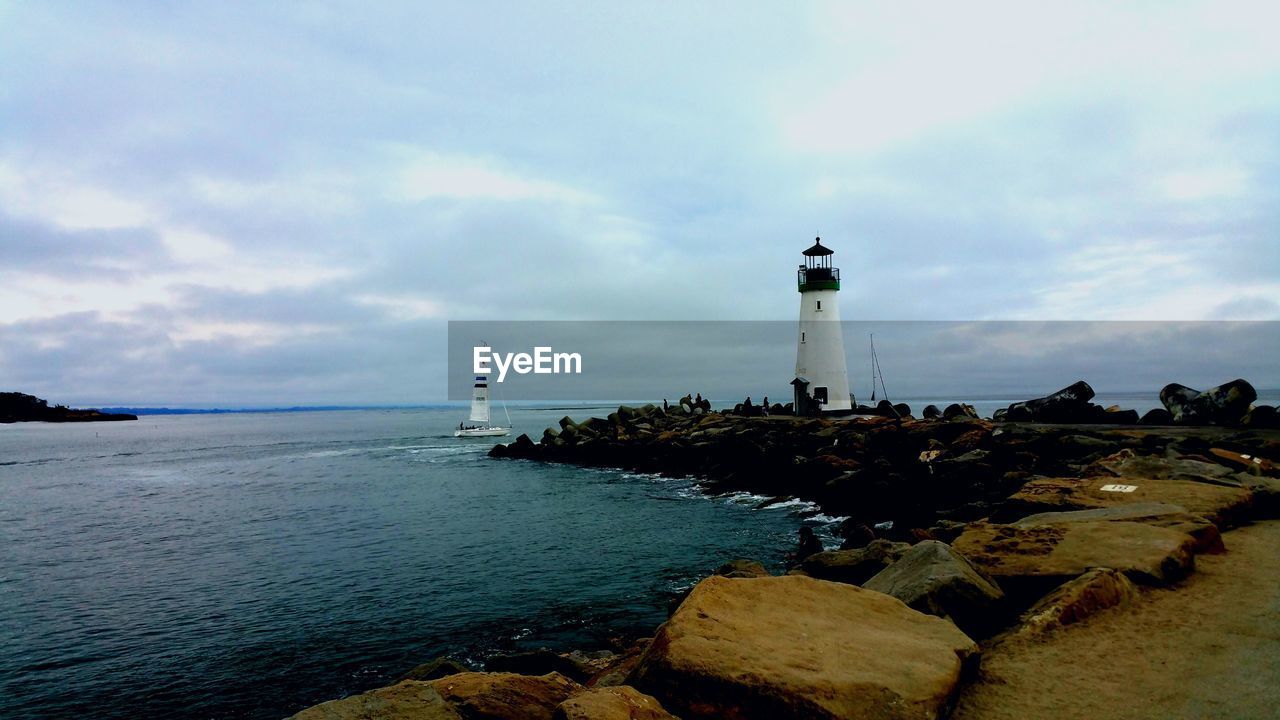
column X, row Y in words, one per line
column 822, row 381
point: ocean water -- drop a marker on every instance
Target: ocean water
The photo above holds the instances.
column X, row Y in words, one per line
column 250, row 565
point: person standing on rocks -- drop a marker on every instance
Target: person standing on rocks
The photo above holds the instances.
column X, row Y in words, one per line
column 809, row 545
column 764, row 406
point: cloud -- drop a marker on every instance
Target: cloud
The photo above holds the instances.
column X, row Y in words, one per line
column 241, row 191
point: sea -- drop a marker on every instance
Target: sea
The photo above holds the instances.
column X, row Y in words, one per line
column 249, row 565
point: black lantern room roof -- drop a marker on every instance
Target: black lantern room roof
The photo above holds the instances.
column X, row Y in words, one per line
column 818, row 250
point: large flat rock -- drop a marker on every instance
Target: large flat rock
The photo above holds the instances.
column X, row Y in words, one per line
column 1223, row 505
column 795, row 647
column 1175, row 517
column 1033, row 559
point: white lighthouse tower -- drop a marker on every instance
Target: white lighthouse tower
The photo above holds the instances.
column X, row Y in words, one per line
column 822, row 382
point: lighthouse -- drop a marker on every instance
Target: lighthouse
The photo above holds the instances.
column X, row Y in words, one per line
column 821, row 382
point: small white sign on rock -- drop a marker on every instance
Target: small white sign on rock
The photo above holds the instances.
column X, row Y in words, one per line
column 1118, row 488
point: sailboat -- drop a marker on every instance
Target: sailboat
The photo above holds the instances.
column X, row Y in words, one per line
column 477, row 425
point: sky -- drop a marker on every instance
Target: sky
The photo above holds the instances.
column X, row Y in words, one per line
column 249, row 204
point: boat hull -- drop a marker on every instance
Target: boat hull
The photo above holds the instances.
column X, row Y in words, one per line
column 482, row 432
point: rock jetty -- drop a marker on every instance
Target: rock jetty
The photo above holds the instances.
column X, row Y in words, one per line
column 20, row 407
column 985, row 532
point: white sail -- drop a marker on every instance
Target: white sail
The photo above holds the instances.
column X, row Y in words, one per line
column 480, row 401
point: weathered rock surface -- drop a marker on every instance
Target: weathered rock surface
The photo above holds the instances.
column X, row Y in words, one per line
column 853, row 566
column 1092, row 592
column 794, row 647
column 1226, row 404
column 1221, row 504
column 1068, row 405
column 410, row 700
column 612, row 703
column 1029, row 561
column 505, row 696
column 1175, row 517
column 934, row 579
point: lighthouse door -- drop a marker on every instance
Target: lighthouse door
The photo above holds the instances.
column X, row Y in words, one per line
column 820, row 395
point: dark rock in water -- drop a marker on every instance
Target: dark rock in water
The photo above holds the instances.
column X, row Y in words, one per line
column 934, row 579
column 1156, row 416
column 884, row 408
column 959, row 410
column 1068, row 405
column 853, row 566
column 740, row 568
column 930, row 412
column 902, row 410
column 856, row 535
column 523, row 442
column 1262, row 416
column 1226, row 404
column 438, row 668
column 1000, row 415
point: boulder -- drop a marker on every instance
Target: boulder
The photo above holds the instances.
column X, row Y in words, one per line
column 1226, row 404
column 959, row 410
column 742, row 568
column 1075, row 600
column 933, row 578
column 1156, row 416
column 793, row 647
column 902, row 410
column 612, row 703
column 1263, row 417
column 505, row 696
column 930, row 412
column 1068, row 405
column 411, row 699
column 853, row 566
column 1029, row 561
column 1176, row 517
column 433, row 669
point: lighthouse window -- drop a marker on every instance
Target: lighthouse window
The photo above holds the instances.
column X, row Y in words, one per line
column 819, row 304
column 801, row 337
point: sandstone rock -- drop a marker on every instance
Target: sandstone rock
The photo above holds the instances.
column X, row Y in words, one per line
column 620, row 666
column 742, row 568
column 433, row 669
column 1222, row 505
column 933, row 578
column 409, row 700
column 612, row 703
column 1226, row 404
column 1028, row 561
column 1175, row 517
column 1075, row 600
column 505, row 696
column 853, row 566
column 794, row 647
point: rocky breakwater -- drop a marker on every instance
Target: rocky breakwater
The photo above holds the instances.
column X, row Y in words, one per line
column 1002, row 530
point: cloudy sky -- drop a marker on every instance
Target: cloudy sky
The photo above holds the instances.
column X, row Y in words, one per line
column 268, row 203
